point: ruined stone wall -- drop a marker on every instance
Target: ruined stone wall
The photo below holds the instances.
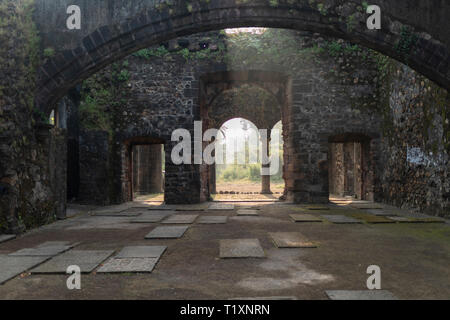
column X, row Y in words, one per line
column 330, row 91
column 94, row 167
column 416, row 144
column 27, row 182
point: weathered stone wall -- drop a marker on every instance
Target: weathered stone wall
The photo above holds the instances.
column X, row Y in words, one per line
column 94, row 167
column 328, row 89
column 29, row 169
column 416, row 143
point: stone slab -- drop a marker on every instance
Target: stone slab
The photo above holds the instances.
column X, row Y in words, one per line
column 163, row 207
column 291, row 240
column 247, row 212
column 317, row 207
column 367, row 206
column 339, row 219
column 87, row 260
column 152, row 217
column 141, row 252
column 109, row 209
column 181, row 219
column 189, row 208
column 305, row 218
column 241, row 248
column 171, row 232
column 221, row 206
column 381, row 213
column 12, row 266
column 250, row 208
column 281, row 298
column 136, row 210
column 119, row 214
column 360, row 295
column 47, row 251
column 6, row 237
column 399, row 219
column 213, row 220
column 55, row 244
column 135, row 265
column 426, row 220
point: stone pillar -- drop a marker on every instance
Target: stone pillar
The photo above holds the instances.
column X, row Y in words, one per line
column 212, row 179
column 265, row 179
column 58, row 170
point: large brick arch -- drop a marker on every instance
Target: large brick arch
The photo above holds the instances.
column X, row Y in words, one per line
column 414, row 33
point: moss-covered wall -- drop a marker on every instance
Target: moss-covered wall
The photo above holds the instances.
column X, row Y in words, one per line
column 26, row 198
column 416, row 141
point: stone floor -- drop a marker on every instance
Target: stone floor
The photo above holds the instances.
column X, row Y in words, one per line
column 275, row 252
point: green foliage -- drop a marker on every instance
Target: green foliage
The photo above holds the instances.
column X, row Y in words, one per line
column 406, row 43
column 323, row 11
column 18, row 32
column 147, row 54
column 351, row 22
column 365, row 5
column 101, row 94
column 49, row 52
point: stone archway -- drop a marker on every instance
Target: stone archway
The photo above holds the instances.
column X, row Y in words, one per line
column 262, row 97
column 421, row 43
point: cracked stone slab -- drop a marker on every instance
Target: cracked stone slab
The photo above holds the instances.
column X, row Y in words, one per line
column 305, row 218
column 221, row 206
column 167, row 232
column 6, row 237
column 12, row 266
column 45, row 251
column 134, row 265
column 141, row 252
column 152, row 217
column 291, row 240
column 339, row 219
column 241, row 248
column 247, row 212
column 213, row 219
column 181, row 219
column 87, row 260
column 360, row 295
